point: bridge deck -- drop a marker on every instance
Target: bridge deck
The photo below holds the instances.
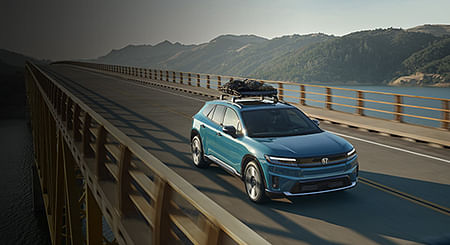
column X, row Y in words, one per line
column 160, row 119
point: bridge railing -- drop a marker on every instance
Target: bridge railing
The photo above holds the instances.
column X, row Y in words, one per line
column 420, row 110
column 87, row 166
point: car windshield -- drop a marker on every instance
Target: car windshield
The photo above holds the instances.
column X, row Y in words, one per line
column 278, row 122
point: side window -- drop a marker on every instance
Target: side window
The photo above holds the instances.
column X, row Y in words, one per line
column 211, row 113
column 231, row 119
column 208, row 108
column 218, row 114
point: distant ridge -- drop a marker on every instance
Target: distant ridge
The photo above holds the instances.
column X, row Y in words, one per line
column 436, row 30
column 378, row 56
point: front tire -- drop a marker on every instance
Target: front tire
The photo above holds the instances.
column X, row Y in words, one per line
column 197, row 152
column 254, row 183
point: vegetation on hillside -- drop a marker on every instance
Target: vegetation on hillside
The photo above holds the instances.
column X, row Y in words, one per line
column 365, row 57
column 369, row 57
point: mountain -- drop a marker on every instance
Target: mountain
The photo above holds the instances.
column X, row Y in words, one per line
column 373, row 56
column 237, row 55
column 437, row 30
column 380, row 56
column 143, row 55
column 429, row 66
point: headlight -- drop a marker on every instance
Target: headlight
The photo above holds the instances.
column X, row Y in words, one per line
column 281, row 160
column 351, row 153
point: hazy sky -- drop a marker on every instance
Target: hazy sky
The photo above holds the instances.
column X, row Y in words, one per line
column 63, row 29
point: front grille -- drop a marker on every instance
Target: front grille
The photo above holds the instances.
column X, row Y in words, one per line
column 321, row 185
column 312, row 162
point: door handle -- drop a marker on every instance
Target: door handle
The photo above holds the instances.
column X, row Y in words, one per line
column 218, row 134
column 202, row 126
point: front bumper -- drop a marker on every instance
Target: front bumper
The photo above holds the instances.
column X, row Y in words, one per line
column 312, row 181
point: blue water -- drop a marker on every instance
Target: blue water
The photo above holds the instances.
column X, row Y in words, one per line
column 418, row 91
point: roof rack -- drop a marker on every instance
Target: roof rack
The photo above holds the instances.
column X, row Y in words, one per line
column 260, row 96
column 248, row 88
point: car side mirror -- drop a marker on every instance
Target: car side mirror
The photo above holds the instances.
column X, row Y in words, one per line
column 231, row 130
column 317, row 122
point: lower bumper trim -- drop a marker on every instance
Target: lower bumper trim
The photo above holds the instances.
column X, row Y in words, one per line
column 289, row 194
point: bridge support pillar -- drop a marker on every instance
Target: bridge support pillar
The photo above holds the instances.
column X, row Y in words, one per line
column 38, row 202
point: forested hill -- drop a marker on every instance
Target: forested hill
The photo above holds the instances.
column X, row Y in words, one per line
column 375, row 56
column 365, row 57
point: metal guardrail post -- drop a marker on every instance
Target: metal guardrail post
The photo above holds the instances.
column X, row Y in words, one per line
column 69, row 113
column 198, row 80
column 208, row 82
column 219, row 81
column 174, row 77
column 302, row 95
column 329, row 100
column 64, row 107
column 398, row 108
column 181, row 77
column 189, row 79
column 125, row 203
column 280, row 91
column 100, row 153
column 76, row 123
column 167, row 76
column 161, row 215
column 87, row 150
column 93, row 219
column 360, row 109
column 445, row 114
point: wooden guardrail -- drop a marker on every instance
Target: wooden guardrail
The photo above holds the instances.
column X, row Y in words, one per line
column 88, row 167
column 301, row 94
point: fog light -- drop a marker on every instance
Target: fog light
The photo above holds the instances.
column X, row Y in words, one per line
column 275, row 182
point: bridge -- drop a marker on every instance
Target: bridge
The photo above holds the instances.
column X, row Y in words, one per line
column 113, row 163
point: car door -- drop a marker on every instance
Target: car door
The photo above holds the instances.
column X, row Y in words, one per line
column 229, row 148
column 212, row 130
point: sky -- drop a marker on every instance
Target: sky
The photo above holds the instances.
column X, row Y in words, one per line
column 77, row 29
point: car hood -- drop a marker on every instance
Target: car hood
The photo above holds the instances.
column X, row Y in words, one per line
column 310, row 145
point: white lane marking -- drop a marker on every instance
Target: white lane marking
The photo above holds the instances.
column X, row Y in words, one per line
column 185, row 96
column 392, row 147
column 343, row 135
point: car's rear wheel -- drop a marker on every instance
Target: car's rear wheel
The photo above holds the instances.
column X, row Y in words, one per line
column 197, row 152
column 254, row 183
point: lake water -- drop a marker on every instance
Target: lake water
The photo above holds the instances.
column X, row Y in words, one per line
column 19, row 224
column 417, row 91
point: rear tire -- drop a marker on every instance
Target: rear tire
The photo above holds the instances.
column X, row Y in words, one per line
column 254, row 183
column 197, row 153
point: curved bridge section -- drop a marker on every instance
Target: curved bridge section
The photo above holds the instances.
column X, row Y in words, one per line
column 101, row 186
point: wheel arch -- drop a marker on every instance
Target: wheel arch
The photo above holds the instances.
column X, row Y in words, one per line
column 194, row 132
column 245, row 160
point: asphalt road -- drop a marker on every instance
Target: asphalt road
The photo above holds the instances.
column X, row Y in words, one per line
column 403, row 195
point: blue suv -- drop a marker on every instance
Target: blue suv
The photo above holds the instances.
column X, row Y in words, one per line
column 273, row 147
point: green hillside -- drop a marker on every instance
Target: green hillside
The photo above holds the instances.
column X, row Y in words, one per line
column 434, row 59
column 366, row 57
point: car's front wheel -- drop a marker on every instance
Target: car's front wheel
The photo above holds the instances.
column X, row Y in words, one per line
column 254, row 183
column 197, row 152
